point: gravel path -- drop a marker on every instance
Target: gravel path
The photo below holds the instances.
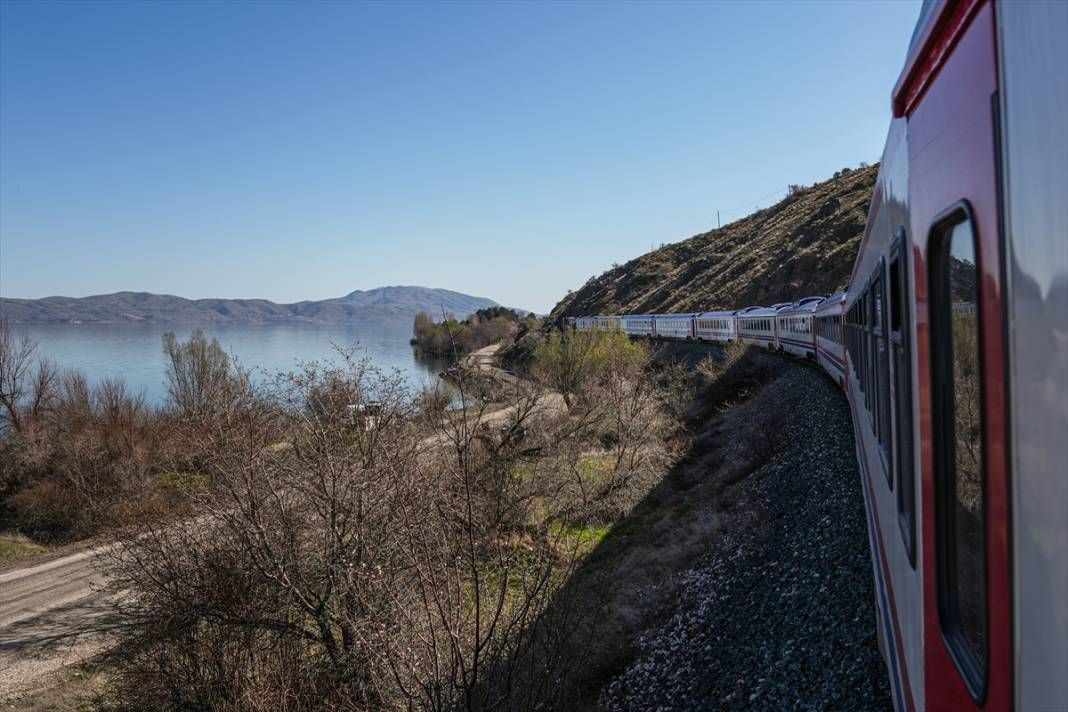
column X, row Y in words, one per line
column 52, row 615
column 780, row 615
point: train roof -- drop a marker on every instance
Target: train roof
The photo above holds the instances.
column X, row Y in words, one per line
column 637, row 316
column 757, row 311
column 715, row 314
column 804, row 306
column 835, row 300
column 687, row 315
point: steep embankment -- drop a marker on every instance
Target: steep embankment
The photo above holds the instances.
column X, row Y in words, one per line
column 801, row 246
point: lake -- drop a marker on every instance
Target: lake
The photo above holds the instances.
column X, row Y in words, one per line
column 134, row 352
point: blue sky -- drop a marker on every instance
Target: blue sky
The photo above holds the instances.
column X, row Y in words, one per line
column 509, row 150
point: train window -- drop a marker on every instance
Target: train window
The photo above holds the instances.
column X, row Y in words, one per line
column 900, row 354
column 882, row 373
column 958, row 445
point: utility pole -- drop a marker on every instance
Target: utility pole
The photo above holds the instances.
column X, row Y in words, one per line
column 718, row 223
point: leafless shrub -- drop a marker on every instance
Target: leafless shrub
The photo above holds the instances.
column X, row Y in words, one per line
column 76, row 458
column 27, row 384
column 200, row 377
column 414, row 561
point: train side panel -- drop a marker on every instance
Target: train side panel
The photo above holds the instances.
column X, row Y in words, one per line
column 673, row 326
column 1033, row 56
column 715, row 326
column 756, row 326
column 880, row 385
column 637, row 325
column 830, row 351
column 949, row 96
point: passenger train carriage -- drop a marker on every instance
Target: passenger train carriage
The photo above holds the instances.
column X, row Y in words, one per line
column 606, row 323
column 829, row 327
column 674, row 326
column 637, row 324
column 715, row 326
column 756, row 325
column 951, row 342
column 796, row 335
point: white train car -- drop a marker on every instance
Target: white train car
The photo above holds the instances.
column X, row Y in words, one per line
column 673, row 326
column 607, row 323
column 830, row 352
column 715, row 326
column 637, row 324
column 585, row 323
column 796, row 335
column 756, row 325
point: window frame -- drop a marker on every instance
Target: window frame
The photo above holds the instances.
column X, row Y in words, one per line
column 974, row 673
column 902, row 371
column 884, row 434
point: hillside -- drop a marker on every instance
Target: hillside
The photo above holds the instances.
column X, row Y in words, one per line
column 803, row 245
column 381, row 304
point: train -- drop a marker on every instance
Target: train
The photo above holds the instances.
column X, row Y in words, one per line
column 950, row 342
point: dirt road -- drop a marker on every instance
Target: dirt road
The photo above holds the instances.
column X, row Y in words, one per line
column 51, row 615
column 484, row 361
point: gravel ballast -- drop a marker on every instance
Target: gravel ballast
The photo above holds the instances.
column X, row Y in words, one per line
column 780, row 614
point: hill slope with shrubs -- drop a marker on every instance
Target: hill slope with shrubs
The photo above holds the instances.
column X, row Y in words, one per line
column 803, row 245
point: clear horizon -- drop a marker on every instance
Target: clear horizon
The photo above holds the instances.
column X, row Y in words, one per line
column 298, row 152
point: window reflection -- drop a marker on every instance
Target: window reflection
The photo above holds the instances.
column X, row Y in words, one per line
column 967, row 496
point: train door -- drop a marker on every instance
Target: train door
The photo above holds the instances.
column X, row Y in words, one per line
column 949, row 95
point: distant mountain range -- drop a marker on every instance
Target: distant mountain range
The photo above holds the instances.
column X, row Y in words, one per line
column 381, row 304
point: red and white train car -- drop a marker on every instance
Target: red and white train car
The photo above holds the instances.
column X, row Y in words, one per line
column 957, row 352
column 830, row 349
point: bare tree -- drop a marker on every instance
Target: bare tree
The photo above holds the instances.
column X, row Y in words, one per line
column 16, row 364
column 414, row 560
column 199, row 372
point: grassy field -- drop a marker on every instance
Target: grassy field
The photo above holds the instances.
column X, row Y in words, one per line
column 16, row 547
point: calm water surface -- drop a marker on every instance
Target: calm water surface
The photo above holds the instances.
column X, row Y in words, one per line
column 134, row 351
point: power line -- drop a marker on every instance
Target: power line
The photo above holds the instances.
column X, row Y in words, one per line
column 758, row 200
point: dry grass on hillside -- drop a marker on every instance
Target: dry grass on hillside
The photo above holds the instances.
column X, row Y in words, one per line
column 803, row 245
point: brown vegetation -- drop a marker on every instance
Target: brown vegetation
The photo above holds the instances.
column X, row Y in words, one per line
column 402, row 561
column 308, row 555
column 731, row 410
column 76, row 458
column 450, row 336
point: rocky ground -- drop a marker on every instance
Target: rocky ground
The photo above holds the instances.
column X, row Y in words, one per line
column 780, row 614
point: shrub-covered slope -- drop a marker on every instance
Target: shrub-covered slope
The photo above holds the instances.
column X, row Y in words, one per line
column 803, row 245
